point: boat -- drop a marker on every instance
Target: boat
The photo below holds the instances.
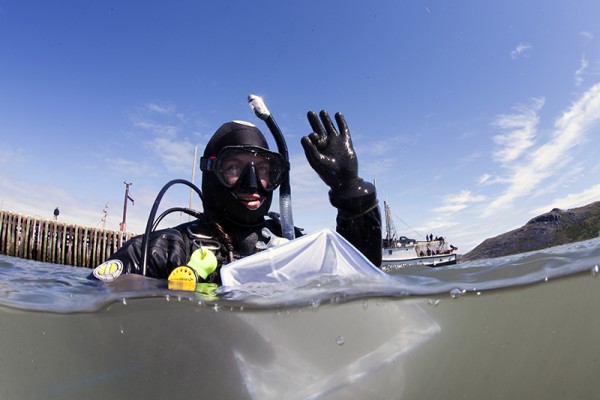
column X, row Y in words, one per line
column 401, row 250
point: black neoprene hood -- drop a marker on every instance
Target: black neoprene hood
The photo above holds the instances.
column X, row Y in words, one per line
column 219, row 200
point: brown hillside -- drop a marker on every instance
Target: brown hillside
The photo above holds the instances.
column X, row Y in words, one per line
column 547, row 230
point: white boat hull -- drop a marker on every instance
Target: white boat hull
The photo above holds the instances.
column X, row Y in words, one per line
column 399, row 256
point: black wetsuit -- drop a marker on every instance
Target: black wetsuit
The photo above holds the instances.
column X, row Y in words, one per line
column 363, row 231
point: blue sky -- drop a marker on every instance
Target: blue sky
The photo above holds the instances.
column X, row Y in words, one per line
column 471, row 117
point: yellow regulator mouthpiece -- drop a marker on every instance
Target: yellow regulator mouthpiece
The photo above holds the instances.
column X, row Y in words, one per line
column 203, row 262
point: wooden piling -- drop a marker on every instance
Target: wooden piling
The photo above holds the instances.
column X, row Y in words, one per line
column 56, row 242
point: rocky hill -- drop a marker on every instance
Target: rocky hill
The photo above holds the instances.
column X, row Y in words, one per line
column 551, row 229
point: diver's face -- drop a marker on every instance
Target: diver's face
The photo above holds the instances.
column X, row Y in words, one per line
column 249, row 168
column 233, row 167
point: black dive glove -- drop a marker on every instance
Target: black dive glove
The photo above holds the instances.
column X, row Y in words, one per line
column 332, row 156
column 167, row 252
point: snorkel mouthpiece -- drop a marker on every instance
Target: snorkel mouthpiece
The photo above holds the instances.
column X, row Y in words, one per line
column 258, row 106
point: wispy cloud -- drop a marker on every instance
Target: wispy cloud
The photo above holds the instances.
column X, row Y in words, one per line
column 572, row 200
column 587, row 35
column 161, row 109
column 584, row 64
column 524, row 176
column 133, row 168
column 458, row 202
column 522, row 50
column 519, row 131
column 157, row 128
column 11, row 155
column 175, row 155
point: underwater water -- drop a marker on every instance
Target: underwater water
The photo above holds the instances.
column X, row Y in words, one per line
column 523, row 326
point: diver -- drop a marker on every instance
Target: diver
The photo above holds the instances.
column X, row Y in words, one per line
column 239, row 175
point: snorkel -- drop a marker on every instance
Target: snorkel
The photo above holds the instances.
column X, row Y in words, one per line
column 285, row 193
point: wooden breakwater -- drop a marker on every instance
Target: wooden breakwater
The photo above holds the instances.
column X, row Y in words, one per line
column 56, row 242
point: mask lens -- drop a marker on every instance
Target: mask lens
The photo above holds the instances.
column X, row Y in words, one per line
column 233, row 163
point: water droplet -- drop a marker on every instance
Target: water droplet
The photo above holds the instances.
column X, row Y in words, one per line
column 217, row 308
column 314, row 303
column 124, row 300
column 365, row 304
column 168, row 298
column 546, row 279
column 433, row 302
column 455, row 293
column 340, row 340
column 478, row 293
column 595, row 271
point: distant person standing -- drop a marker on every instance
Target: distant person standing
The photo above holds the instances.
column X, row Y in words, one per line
column 56, row 212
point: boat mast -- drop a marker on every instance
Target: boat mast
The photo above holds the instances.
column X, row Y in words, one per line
column 390, row 229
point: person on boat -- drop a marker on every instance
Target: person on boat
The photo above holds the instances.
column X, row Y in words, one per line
column 239, row 175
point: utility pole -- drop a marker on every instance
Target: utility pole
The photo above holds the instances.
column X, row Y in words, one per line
column 105, row 216
column 123, row 225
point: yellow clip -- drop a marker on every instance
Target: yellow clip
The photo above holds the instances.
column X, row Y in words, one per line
column 183, row 278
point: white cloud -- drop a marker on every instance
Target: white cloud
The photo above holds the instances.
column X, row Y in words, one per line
column 584, row 64
column 522, row 50
column 133, row 168
column 588, row 35
column 177, row 156
column 587, row 196
column 39, row 200
column 550, row 158
column 161, row 109
column 458, row 202
column 9, row 155
column 157, row 128
column 519, row 131
column 483, row 179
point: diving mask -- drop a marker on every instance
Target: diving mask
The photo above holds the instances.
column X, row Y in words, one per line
column 235, row 165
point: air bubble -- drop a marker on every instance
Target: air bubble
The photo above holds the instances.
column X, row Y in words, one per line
column 340, row 340
column 433, row 302
column 456, row 293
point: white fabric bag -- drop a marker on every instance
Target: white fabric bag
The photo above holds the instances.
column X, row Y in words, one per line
column 325, row 252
